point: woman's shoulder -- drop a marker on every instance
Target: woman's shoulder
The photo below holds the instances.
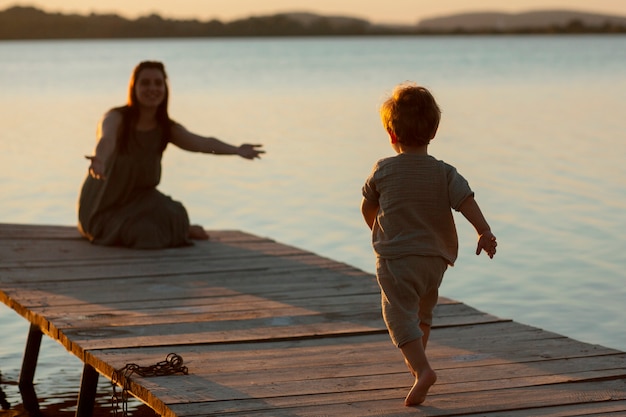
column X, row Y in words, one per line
column 111, row 120
column 114, row 115
column 115, row 112
column 120, row 111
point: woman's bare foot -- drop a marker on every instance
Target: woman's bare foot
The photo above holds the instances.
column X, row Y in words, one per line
column 418, row 393
column 197, row 232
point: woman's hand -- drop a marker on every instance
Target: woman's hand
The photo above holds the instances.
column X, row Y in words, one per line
column 249, row 151
column 96, row 169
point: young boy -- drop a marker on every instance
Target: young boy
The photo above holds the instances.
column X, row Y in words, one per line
column 407, row 203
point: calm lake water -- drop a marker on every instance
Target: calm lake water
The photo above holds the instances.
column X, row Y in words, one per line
column 535, row 123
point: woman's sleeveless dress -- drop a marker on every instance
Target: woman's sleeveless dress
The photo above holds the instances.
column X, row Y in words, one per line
column 126, row 209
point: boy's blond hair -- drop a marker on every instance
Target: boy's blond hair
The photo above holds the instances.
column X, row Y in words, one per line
column 411, row 114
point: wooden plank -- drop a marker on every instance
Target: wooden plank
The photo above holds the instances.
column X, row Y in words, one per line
column 17, row 247
column 13, row 231
column 585, row 410
column 116, row 312
column 229, row 307
column 258, row 280
column 605, row 409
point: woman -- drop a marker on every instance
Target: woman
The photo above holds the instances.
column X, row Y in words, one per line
column 119, row 203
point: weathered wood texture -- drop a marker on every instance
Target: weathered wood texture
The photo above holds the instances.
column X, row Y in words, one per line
column 271, row 330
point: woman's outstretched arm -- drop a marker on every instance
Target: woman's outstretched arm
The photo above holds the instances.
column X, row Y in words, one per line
column 192, row 142
column 106, row 136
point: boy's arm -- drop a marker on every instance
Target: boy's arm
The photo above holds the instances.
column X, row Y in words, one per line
column 369, row 209
column 486, row 240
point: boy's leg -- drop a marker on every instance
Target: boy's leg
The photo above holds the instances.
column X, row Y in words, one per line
column 409, row 316
column 425, row 376
column 426, row 334
column 427, row 305
column 426, row 330
column 401, row 283
column 415, row 353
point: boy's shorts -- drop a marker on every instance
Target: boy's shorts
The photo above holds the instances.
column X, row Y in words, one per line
column 409, row 292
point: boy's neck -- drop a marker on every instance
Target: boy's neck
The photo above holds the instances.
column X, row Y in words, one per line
column 413, row 150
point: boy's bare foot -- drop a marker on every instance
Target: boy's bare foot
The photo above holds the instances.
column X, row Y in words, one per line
column 197, row 232
column 418, row 393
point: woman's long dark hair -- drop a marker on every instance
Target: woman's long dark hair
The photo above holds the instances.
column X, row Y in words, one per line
column 130, row 111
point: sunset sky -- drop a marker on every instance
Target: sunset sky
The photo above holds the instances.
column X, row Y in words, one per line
column 388, row 11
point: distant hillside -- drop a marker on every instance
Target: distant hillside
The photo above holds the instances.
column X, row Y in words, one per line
column 520, row 21
column 31, row 23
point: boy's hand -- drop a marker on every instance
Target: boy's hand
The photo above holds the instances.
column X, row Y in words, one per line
column 487, row 242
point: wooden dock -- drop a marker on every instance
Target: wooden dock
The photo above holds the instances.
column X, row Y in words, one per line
column 267, row 329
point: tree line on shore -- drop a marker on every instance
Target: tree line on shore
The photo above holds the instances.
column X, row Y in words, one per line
column 31, row 23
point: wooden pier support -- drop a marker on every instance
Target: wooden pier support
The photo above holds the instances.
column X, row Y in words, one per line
column 29, row 365
column 87, row 393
